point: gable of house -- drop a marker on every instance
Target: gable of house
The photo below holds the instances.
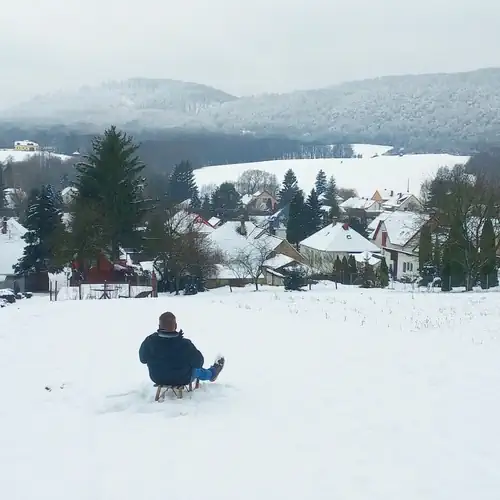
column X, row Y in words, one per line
column 399, row 229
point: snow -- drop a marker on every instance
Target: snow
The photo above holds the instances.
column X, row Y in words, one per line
column 397, row 398
column 278, row 261
column 11, row 246
column 356, row 203
column 365, row 174
column 13, row 155
column 334, row 238
column 370, row 150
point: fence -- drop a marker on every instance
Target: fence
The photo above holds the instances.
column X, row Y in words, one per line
column 99, row 291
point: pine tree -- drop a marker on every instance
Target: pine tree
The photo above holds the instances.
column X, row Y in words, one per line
column 345, row 271
column 45, row 236
column 195, row 204
column 206, row 207
column 353, row 268
column 226, row 201
column 330, row 198
column 110, row 188
column 2, row 188
column 314, row 214
column 321, row 183
column 446, row 270
column 488, row 271
column 425, row 247
column 182, row 184
column 337, row 267
column 296, row 229
column 383, row 274
column 289, row 189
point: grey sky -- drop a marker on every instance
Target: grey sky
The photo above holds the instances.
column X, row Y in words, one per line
column 241, row 46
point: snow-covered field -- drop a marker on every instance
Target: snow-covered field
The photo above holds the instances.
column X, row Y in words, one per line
column 366, row 174
column 13, row 155
column 346, row 394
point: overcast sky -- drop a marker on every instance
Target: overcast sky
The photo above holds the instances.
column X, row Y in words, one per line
column 240, row 46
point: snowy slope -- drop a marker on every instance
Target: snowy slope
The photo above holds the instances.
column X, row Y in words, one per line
column 365, row 175
column 13, row 155
column 327, row 394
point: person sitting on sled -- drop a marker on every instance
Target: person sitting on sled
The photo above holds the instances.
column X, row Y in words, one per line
column 173, row 359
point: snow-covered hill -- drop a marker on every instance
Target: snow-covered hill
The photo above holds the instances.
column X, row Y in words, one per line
column 149, row 101
column 365, row 174
column 444, row 110
column 329, row 394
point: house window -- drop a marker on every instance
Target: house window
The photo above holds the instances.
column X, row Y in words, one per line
column 384, row 238
column 407, row 267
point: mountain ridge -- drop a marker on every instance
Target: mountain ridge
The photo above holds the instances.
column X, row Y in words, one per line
column 397, row 109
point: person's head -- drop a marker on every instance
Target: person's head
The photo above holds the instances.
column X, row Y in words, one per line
column 168, row 322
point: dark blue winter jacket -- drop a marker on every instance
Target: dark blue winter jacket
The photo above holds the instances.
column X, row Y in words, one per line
column 170, row 358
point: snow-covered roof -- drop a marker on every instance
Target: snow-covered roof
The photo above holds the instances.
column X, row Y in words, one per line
column 372, row 227
column 11, row 246
column 339, row 238
column 357, row 203
column 230, row 241
column 278, row 261
column 70, row 190
column 397, row 200
column 402, row 226
column 385, row 194
column 214, row 221
column 366, row 256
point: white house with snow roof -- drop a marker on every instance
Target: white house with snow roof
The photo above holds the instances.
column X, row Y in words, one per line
column 335, row 240
column 236, row 237
column 397, row 235
column 11, row 250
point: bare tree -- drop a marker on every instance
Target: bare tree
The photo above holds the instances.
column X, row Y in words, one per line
column 207, row 189
column 251, row 181
column 249, row 260
column 460, row 204
column 346, row 193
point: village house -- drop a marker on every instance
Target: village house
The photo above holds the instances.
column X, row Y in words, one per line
column 361, row 207
column 68, row 194
column 11, row 250
column 392, row 201
column 236, row 237
column 261, row 201
column 397, row 235
column 335, row 240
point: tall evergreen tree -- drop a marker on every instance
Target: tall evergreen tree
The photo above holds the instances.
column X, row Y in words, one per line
column 45, row 236
column 314, row 214
column 330, row 198
column 383, row 274
column 446, row 276
column 289, row 189
column 488, row 271
column 182, row 184
column 206, row 207
column 2, row 188
column 425, row 247
column 109, row 181
column 226, row 201
column 321, row 183
column 296, row 229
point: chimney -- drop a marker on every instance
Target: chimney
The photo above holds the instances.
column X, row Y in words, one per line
column 243, row 228
column 4, row 225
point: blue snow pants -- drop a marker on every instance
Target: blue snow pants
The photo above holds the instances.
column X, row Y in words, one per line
column 202, row 374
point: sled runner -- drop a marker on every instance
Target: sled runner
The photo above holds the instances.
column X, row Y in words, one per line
column 177, row 390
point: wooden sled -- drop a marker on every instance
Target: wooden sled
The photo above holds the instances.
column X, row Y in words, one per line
column 177, row 390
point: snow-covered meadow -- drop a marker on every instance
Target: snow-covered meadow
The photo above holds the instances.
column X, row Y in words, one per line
column 14, row 155
column 366, row 174
column 346, row 393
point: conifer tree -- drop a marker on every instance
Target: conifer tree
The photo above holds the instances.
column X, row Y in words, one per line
column 296, row 229
column 488, row 271
column 383, row 274
column 182, row 184
column 345, row 271
column 337, row 267
column 2, row 188
column 425, row 247
column 314, row 214
column 353, row 268
column 110, row 185
column 226, row 200
column 289, row 189
column 45, row 236
column 321, row 183
column 330, row 198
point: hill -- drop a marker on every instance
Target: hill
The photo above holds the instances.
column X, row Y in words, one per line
column 396, row 398
column 455, row 112
column 365, row 174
